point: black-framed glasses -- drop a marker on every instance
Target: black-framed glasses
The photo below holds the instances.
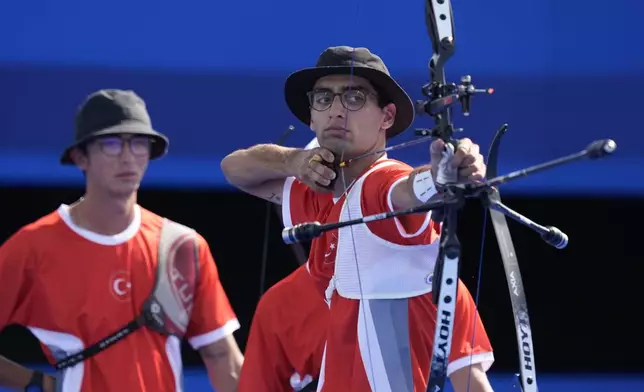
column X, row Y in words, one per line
column 352, row 99
column 113, row 145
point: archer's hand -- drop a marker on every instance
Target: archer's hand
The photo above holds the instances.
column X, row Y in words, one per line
column 470, row 163
column 311, row 170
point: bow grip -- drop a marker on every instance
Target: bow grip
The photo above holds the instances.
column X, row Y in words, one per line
column 446, row 173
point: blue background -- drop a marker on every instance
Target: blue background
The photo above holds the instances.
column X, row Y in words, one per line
column 565, row 73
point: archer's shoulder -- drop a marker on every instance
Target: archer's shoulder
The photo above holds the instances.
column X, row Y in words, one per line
column 38, row 234
column 387, row 170
column 392, row 165
column 154, row 222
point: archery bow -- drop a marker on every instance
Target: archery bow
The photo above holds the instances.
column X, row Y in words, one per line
column 441, row 97
column 452, row 198
column 440, row 26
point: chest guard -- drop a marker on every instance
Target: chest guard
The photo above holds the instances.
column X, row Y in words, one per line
column 169, row 306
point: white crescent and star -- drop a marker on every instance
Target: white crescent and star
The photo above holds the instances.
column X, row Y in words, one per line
column 117, row 286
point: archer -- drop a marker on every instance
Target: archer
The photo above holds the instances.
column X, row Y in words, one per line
column 376, row 278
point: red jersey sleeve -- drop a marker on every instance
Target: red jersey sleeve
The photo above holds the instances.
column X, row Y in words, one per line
column 300, row 203
column 17, row 264
column 212, row 315
column 470, row 344
column 416, row 229
column 266, row 365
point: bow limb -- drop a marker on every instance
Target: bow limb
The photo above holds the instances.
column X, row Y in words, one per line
column 515, row 284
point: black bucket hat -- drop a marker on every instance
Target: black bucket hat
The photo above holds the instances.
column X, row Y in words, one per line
column 338, row 60
column 112, row 112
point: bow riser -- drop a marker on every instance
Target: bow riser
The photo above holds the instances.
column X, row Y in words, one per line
column 438, row 15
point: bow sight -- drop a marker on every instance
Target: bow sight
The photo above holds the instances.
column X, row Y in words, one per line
column 441, row 96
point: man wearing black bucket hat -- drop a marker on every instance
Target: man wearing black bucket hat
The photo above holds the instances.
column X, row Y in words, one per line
column 376, row 277
column 108, row 287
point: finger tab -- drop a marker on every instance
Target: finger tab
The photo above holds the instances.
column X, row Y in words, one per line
column 328, row 156
column 334, row 167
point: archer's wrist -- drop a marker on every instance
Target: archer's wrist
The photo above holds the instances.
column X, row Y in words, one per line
column 423, row 186
column 294, row 160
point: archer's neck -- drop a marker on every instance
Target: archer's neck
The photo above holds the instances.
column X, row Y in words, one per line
column 351, row 173
column 102, row 214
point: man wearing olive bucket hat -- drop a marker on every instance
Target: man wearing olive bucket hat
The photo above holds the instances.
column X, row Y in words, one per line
column 108, row 287
column 376, row 278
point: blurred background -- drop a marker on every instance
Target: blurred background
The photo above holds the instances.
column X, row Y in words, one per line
column 565, row 73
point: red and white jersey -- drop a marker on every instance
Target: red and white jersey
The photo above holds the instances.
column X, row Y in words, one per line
column 286, row 340
column 377, row 280
column 72, row 287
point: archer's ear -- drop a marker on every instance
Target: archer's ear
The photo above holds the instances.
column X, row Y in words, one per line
column 389, row 112
column 79, row 158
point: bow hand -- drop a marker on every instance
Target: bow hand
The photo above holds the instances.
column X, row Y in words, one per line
column 462, row 165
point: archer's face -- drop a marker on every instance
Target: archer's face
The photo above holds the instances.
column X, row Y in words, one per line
column 357, row 128
column 115, row 165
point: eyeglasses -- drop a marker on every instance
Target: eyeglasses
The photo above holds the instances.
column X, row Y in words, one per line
column 113, row 146
column 322, row 99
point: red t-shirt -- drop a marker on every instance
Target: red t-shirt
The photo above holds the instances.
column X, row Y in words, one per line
column 287, row 335
column 72, row 287
column 344, row 365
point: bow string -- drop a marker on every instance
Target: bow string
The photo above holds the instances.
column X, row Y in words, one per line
column 441, row 97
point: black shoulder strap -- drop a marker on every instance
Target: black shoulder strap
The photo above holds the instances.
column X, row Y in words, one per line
column 104, row 343
column 168, row 307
